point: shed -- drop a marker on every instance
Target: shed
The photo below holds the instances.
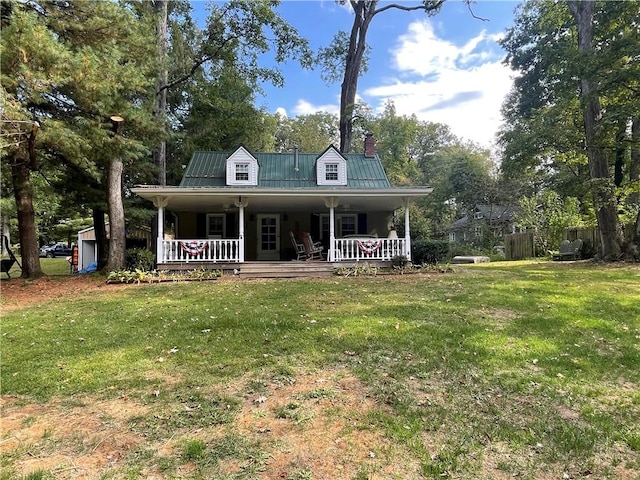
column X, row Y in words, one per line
column 88, row 248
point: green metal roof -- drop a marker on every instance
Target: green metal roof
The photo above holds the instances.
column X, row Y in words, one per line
column 276, row 170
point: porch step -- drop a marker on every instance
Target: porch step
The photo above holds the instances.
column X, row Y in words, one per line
column 289, row 269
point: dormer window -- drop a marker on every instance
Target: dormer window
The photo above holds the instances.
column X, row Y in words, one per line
column 242, row 168
column 331, row 172
column 331, row 168
column 242, row 172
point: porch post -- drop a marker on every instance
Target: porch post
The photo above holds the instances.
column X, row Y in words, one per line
column 160, row 203
column 331, row 203
column 241, row 232
column 241, row 203
column 407, row 232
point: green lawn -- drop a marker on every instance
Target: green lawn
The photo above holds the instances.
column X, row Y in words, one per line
column 50, row 266
column 502, row 370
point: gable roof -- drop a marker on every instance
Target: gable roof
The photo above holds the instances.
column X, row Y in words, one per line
column 491, row 213
column 277, row 170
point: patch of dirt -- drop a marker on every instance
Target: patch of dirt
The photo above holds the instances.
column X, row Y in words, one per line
column 78, row 442
column 19, row 293
column 331, row 438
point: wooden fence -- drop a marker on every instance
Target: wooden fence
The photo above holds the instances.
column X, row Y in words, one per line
column 518, row 246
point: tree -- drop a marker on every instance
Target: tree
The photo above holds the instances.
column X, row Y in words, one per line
column 237, row 34
column 602, row 186
column 89, row 60
column 547, row 215
column 575, row 136
column 350, row 60
column 310, row 133
column 161, row 11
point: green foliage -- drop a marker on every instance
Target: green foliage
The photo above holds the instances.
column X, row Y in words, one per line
column 429, row 252
column 140, row 259
column 131, row 276
column 311, row 133
column 358, row 269
column 151, row 276
column 394, row 134
column 548, row 215
column 544, row 136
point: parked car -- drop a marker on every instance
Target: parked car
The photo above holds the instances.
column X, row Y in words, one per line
column 60, row 249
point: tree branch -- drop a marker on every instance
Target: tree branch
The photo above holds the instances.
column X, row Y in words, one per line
column 194, row 67
column 435, row 6
column 409, row 9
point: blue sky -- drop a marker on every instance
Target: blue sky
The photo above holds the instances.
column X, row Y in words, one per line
column 445, row 68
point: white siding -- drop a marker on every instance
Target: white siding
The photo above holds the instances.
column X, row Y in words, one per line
column 331, row 156
column 241, row 155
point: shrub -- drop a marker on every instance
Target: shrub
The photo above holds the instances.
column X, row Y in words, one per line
column 140, row 259
column 429, row 252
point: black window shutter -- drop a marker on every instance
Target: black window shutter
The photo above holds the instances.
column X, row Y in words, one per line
column 315, row 227
column 362, row 223
column 201, row 225
column 231, row 225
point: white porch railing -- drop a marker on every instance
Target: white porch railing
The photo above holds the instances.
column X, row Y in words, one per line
column 363, row 249
column 218, row 250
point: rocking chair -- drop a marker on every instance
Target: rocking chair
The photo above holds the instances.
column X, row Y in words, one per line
column 314, row 249
column 301, row 252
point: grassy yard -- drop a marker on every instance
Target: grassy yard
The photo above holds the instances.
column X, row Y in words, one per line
column 527, row 370
column 50, row 266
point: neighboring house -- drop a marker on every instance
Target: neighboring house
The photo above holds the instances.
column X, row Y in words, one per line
column 494, row 219
column 240, row 206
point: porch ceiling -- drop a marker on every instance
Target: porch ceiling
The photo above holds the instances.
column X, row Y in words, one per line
column 278, row 200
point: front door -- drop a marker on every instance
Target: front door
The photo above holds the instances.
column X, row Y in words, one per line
column 268, row 237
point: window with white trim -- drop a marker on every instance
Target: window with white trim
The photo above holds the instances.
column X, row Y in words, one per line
column 242, row 172
column 331, row 168
column 242, row 168
column 345, row 225
column 331, row 172
column 215, row 225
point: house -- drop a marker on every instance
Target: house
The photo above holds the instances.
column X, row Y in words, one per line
column 240, row 206
column 485, row 218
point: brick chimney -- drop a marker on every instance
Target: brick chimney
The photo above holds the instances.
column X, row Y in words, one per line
column 369, row 146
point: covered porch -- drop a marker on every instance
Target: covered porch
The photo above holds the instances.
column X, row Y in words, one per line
column 221, row 226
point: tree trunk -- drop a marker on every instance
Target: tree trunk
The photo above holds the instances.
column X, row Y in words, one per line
column 23, row 193
column 102, row 243
column 160, row 154
column 24, row 162
column 117, row 239
column 364, row 12
column 634, row 173
column 601, row 181
column 618, row 168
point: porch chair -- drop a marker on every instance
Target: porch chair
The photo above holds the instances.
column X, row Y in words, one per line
column 314, row 249
column 301, row 252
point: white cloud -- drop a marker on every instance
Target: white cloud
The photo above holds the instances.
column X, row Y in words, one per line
column 282, row 112
column 438, row 81
column 303, row 107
